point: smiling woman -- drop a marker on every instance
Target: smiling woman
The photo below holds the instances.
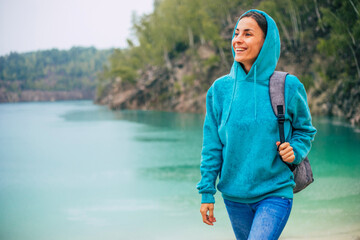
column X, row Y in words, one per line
column 240, row 140
column 249, row 38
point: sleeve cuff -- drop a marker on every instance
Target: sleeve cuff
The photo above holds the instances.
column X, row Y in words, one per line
column 207, row 198
column 297, row 159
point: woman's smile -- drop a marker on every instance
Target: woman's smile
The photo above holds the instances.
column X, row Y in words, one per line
column 240, row 49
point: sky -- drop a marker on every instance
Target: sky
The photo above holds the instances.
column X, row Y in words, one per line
column 30, row 25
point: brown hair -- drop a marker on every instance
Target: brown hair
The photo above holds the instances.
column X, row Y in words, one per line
column 259, row 18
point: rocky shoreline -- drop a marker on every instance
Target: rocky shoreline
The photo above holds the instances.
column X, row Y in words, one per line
column 159, row 88
column 40, row 96
column 179, row 90
column 336, row 102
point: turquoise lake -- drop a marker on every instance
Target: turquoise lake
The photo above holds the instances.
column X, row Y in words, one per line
column 78, row 171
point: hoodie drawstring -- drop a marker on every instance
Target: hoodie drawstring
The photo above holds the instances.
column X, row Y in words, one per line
column 255, row 90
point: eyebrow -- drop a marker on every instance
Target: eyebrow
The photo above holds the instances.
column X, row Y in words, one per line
column 245, row 30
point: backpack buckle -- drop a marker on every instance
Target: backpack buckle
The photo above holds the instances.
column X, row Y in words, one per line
column 280, row 115
column 281, row 118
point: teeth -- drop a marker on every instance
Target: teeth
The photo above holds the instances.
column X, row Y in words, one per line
column 240, row 49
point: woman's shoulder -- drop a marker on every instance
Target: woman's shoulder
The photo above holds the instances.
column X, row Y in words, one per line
column 292, row 83
column 221, row 89
column 222, row 83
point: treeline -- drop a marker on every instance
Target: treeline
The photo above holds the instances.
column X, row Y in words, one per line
column 174, row 27
column 321, row 37
column 52, row 70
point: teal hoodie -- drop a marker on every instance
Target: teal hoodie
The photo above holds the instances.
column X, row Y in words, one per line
column 241, row 130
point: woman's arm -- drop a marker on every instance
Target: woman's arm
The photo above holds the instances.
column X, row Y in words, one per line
column 211, row 155
column 303, row 130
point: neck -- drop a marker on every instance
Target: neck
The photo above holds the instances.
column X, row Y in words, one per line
column 246, row 67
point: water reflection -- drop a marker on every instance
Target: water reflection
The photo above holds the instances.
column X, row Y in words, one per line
column 180, row 173
column 155, row 139
column 73, row 164
column 162, row 119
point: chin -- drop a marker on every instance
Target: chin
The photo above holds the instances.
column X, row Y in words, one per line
column 239, row 60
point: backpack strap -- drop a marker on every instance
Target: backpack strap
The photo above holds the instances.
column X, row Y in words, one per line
column 277, row 97
column 277, row 91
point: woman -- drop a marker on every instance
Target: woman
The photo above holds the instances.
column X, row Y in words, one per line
column 241, row 135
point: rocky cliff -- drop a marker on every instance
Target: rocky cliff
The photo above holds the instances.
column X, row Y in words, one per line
column 339, row 100
column 183, row 87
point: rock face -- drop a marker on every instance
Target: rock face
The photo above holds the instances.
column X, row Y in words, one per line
column 39, row 96
column 157, row 89
column 183, row 88
column 148, row 93
column 339, row 100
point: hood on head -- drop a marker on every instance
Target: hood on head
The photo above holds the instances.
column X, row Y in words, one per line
column 268, row 57
column 265, row 64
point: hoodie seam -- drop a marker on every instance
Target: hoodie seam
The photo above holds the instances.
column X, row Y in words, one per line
column 255, row 91
column 232, row 99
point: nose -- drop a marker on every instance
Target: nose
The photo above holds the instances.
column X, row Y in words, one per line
column 238, row 39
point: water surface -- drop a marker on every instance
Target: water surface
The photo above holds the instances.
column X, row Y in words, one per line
column 74, row 170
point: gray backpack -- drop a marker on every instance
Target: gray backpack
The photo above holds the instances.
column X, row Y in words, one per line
column 303, row 175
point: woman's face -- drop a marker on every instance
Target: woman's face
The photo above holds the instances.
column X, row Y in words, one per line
column 247, row 42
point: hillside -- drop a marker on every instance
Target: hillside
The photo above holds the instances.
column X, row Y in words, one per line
column 51, row 75
column 185, row 45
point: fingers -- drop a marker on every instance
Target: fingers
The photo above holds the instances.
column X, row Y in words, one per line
column 211, row 213
column 284, row 148
column 286, row 152
column 289, row 159
column 204, row 209
column 283, row 145
column 206, row 219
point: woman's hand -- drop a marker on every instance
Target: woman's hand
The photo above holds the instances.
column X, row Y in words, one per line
column 286, row 152
column 208, row 219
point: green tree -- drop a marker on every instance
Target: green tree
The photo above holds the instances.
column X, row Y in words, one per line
column 341, row 43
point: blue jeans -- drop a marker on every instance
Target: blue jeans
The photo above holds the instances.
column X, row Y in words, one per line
column 262, row 220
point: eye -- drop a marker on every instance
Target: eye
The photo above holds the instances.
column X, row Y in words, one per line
column 236, row 34
column 247, row 34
